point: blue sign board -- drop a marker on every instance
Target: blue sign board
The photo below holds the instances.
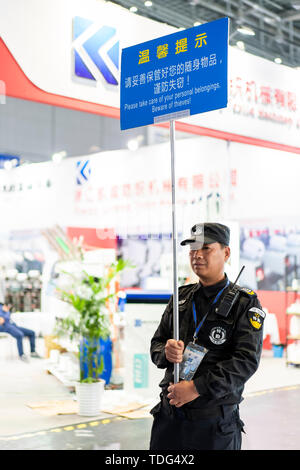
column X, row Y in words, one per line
column 175, row 76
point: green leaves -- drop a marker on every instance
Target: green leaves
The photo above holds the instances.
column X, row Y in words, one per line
column 115, row 268
column 89, row 297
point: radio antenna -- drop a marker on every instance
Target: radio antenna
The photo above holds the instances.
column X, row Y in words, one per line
column 238, row 276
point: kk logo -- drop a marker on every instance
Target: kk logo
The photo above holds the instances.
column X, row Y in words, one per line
column 83, row 171
column 96, row 51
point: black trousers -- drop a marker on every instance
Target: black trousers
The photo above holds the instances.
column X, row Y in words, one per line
column 172, row 430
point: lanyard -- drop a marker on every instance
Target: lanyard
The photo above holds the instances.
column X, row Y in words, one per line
column 204, row 318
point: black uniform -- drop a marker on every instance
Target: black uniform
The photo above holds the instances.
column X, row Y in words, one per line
column 211, row 421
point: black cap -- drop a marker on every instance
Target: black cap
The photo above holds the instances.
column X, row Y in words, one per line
column 208, row 232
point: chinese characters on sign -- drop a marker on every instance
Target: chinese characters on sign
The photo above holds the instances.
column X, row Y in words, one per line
column 181, row 45
column 171, row 77
column 253, row 92
column 129, row 191
column 184, row 72
column 201, row 39
column 142, row 204
column 249, row 98
column 162, row 51
column 144, row 56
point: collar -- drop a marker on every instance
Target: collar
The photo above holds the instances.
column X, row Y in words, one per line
column 210, row 291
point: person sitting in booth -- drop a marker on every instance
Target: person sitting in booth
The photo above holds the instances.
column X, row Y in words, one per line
column 18, row 332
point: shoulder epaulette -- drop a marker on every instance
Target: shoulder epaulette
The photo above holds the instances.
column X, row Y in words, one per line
column 247, row 291
column 184, row 292
column 186, row 288
column 190, row 284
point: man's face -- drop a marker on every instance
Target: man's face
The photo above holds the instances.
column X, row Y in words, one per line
column 208, row 262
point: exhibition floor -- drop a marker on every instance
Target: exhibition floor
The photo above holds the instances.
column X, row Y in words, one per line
column 270, row 411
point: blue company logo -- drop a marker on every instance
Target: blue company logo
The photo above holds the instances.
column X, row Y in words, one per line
column 96, row 51
column 83, row 171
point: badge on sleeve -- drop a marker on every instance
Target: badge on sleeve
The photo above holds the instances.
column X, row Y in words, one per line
column 256, row 317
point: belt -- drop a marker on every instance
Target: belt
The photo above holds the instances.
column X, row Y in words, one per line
column 196, row 413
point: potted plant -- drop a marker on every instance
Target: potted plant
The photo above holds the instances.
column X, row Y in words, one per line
column 88, row 324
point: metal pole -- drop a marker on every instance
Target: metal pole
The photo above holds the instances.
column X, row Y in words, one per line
column 174, row 242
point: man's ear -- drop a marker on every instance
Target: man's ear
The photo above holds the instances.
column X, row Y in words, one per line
column 227, row 252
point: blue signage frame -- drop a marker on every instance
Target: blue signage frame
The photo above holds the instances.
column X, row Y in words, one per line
column 175, row 76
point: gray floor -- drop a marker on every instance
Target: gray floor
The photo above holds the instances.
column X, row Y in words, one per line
column 271, row 411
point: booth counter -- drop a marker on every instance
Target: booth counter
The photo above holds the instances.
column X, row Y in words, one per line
column 143, row 313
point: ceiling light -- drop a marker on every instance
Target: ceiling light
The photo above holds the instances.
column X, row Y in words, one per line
column 278, row 60
column 268, row 20
column 133, row 144
column 148, row 3
column 197, row 23
column 240, row 45
column 58, row 156
column 246, row 30
column 133, row 9
column 8, row 165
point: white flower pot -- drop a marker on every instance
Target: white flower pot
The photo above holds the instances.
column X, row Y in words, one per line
column 89, row 397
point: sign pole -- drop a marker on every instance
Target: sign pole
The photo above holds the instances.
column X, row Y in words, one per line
column 174, row 242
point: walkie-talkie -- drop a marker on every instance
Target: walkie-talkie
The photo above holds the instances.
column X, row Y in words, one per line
column 229, row 299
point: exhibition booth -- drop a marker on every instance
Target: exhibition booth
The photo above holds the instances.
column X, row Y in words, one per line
column 238, row 165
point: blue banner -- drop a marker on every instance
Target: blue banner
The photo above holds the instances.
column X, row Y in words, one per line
column 175, row 76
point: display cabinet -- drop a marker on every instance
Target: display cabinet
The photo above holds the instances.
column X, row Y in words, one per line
column 292, row 318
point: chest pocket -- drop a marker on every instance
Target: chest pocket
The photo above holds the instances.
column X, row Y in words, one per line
column 184, row 307
column 216, row 333
column 186, row 324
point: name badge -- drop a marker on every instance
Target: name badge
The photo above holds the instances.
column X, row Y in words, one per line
column 192, row 358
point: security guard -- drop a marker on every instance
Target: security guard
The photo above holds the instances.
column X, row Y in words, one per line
column 219, row 348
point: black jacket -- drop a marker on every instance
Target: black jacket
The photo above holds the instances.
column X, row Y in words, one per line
column 234, row 342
